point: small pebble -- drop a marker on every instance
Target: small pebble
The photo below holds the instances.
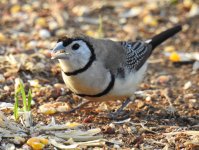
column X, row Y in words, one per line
column 189, row 96
column 15, row 9
column 148, row 98
column 2, row 37
column 150, row 20
column 195, row 66
column 41, row 22
column 194, row 10
column 44, row 34
column 19, row 140
column 81, row 10
column 133, row 12
column 61, row 32
column 140, row 104
column 187, row 85
column 163, row 79
column 88, row 119
column 6, row 88
column 2, row 78
column 32, row 44
column 108, row 130
column 170, row 48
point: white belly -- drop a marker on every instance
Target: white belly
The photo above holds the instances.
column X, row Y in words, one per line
column 128, row 86
column 94, row 81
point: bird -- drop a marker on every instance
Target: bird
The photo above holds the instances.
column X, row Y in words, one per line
column 102, row 69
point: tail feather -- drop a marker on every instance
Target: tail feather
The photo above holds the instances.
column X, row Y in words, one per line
column 158, row 39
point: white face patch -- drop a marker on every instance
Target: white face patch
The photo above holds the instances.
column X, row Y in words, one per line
column 83, row 49
column 77, row 57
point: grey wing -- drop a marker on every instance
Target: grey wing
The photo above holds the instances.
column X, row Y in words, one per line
column 136, row 54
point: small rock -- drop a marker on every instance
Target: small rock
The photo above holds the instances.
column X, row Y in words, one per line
column 19, row 140
column 150, row 20
column 27, row 8
column 53, row 25
column 133, row 12
column 187, row 85
column 2, row 37
column 61, row 32
column 47, row 109
column 112, row 125
column 148, row 98
column 63, row 108
column 108, row 130
column 44, row 34
column 15, row 9
column 123, row 21
column 10, row 146
column 116, row 146
column 163, row 79
column 195, row 66
column 88, row 119
column 189, row 96
column 41, row 22
column 192, row 100
column 81, row 10
column 6, row 88
column 31, row 44
column 2, row 78
column 169, row 48
column 193, row 104
column 39, row 67
column 187, row 4
column 194, row 10
column 140, row 104
column 59, row 85
column 26, row 147
column 132, row 129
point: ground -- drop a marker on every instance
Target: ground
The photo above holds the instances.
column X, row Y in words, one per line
column 29, row 29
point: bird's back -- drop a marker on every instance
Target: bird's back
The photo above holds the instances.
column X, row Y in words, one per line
column 111, row 53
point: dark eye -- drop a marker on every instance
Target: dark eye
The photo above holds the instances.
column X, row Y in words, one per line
column 75, row 46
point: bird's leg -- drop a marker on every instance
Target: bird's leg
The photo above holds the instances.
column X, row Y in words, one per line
column 171, row 109
column 78, row 107
column 120, row 113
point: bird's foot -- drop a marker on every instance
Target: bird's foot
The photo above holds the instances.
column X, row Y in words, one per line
column 119, row 115
column 172, row 111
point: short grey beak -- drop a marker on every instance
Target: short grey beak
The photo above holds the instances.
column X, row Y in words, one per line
column 55, row 52
column 58, row 47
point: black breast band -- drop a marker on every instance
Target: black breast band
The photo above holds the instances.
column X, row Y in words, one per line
column 91, row 60
column 105, row 91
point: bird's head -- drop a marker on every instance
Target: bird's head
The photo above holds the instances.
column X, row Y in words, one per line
column 73, row 52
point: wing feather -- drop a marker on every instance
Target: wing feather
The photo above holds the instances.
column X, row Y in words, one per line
column 137, row 54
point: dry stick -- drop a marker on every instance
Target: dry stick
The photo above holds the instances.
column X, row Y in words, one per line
column 78, row 107
column 152, row 141
column 166, row 95
column 189, row 132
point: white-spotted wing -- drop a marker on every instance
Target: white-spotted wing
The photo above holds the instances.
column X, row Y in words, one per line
column 136, row 54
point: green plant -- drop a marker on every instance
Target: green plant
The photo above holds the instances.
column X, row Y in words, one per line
column 20, row 91
column 100, row 31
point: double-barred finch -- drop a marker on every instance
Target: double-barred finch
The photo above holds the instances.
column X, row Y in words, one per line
column 101, row 69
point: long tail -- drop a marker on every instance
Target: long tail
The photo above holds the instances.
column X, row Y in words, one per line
column 158, row 39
